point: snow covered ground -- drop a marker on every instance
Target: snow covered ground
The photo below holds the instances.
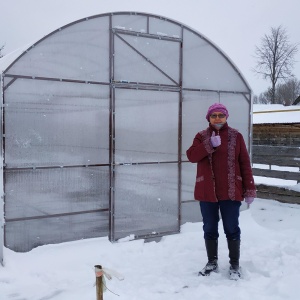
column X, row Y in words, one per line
column 167, row 270
column 270, row 259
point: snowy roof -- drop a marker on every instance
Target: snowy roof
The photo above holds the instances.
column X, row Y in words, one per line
column 275, row 114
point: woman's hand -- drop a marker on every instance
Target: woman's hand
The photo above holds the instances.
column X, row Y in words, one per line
column 249, row 200
column 215, row 140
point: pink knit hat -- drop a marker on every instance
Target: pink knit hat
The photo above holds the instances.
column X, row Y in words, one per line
column 217, row 107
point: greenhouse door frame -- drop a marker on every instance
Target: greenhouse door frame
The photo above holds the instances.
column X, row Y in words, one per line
column 174, row 87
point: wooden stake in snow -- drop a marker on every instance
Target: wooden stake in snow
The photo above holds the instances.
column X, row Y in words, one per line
column 99, row 282
column 101, row 274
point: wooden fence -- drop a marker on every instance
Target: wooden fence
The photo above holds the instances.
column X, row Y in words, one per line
column 279, row 156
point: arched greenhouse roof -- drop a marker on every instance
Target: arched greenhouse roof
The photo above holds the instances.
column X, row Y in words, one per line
column 145, row 24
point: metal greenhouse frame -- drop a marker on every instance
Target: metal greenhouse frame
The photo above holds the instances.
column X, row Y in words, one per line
column 96, row 119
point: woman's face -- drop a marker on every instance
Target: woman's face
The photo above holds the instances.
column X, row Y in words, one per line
column 217, row 117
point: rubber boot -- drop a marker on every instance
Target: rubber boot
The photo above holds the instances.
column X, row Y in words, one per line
column 234, row 259
column 212, row 255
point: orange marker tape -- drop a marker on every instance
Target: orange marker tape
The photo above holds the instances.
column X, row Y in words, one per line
column 99, row 274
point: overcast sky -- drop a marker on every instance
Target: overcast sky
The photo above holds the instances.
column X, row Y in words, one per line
column 235, row 26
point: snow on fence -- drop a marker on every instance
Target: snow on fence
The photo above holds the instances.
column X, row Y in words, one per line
column 279, row 156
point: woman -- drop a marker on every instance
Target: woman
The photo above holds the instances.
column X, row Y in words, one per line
column 224, row 179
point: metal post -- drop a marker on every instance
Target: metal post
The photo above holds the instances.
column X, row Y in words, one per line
column 1, row 176
column 99, row 282
column 1, row 229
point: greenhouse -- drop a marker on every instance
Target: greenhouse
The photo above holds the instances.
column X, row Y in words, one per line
column 96, row 120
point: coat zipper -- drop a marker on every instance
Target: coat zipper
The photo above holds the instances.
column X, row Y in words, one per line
column 214, row 175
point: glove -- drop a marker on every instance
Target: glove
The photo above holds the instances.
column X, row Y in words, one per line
column 215, row 140
column 249, row 200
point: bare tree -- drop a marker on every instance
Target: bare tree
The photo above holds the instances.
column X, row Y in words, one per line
column 1, row 48
column 255, row 99
column 275, row 58
column 286, row 93
column 264, row 98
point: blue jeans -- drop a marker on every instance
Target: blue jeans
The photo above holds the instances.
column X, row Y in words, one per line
column 230, row 212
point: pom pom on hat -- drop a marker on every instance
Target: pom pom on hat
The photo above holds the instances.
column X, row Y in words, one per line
column 217, row 107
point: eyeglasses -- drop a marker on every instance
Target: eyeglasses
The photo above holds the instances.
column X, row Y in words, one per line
column 220, row 116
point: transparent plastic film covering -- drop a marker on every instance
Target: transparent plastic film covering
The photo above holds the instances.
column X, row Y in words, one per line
column 96, row 118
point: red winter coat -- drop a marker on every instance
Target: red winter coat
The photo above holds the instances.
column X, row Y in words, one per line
column 223, row 172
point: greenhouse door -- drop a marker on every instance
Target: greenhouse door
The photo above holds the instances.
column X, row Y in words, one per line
column 145, row 131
